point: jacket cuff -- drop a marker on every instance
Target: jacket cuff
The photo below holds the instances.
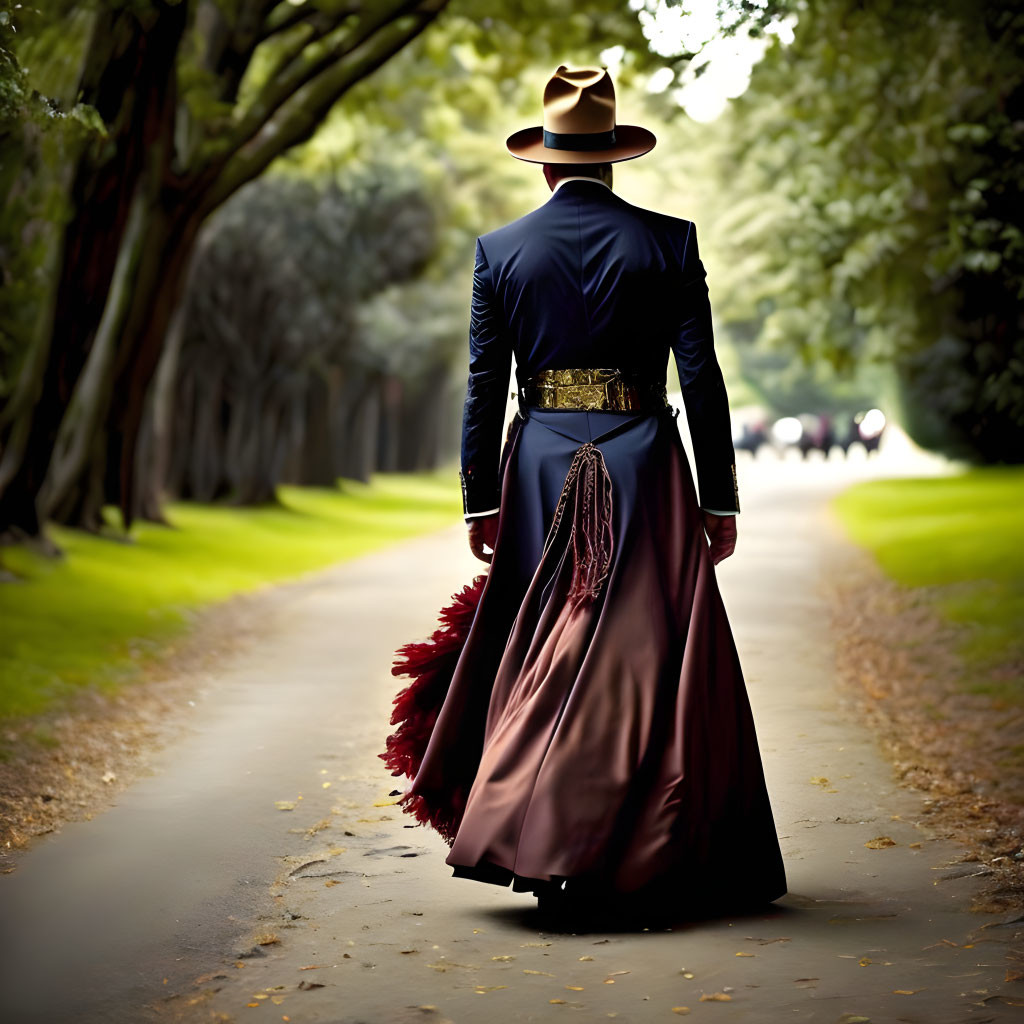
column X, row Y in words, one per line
column 719, row 489
column 479, row 497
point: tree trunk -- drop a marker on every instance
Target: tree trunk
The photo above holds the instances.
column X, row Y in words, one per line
column 129, row 79
column 68, row 492
column 317, row 455
column 154, row 456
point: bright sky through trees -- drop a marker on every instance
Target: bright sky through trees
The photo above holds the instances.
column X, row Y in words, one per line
column 726, row 60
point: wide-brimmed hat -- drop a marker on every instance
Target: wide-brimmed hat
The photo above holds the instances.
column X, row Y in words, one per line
column 579, row 123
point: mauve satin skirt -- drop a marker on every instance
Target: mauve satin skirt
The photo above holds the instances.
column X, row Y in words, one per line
column 610, row 741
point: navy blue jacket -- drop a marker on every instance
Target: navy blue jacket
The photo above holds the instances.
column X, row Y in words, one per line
column 589, row 280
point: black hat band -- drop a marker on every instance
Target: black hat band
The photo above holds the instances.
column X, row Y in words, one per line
column 579, row 140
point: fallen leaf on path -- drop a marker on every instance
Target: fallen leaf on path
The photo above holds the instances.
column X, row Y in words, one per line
column 765, row 942
column 525, row 944
column 312, row 967
column 746, row 954
column 330, row 882
column 715, row 997
column 819, row 780
column 586, row 958
column 681, row 1010
column 547, row 974
column 555, row 1001
column 612, row 974
column 575, row 988
column 504, row 957
column 266, row 939
column 880, row 843
column 483, row 989
column 285, row 805
column 906, row 991
column 204, row 978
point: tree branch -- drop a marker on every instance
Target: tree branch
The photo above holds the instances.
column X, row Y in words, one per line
column 303, row 111
column 284, row 16
column 288, row 78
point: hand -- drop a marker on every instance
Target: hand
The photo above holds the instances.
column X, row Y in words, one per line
column 483, row 530
column 721, row 531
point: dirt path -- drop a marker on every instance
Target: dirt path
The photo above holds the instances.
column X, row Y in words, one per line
column 260, row 872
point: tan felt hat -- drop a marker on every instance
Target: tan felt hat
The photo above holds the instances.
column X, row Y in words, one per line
column 579, row 123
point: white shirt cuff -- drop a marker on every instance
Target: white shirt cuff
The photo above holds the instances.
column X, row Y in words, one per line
column 715, row 511
column 472, row 515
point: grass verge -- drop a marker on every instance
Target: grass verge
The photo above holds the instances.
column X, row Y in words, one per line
column 97, row 615
column 960, row 539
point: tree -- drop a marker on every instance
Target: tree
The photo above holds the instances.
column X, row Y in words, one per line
column 196, row 98
column 272, row 335
column 876, row 174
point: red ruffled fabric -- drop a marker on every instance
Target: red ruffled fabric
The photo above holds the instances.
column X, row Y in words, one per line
column 430, row 664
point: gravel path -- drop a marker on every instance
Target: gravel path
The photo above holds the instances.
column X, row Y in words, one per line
column 261, row 872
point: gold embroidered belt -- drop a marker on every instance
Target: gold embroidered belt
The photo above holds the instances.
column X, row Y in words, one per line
column 590, row 388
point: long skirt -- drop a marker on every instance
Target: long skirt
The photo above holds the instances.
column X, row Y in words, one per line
column 586, row 715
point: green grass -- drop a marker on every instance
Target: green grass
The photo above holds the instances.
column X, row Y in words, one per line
column 964, row 536
column 97, row 615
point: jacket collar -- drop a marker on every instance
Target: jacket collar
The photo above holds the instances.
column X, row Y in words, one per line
column 597, row 181
column 585, row 189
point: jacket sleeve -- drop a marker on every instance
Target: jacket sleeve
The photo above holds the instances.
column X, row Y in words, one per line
column 704, row 394
column 490, row 367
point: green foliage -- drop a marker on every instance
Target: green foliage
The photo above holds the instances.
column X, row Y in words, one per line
column 40, row 136
column 877, row 176
column 98, row 616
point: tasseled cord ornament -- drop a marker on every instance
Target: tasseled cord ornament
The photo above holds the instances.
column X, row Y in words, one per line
column 431, row 665
column 587, row 493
